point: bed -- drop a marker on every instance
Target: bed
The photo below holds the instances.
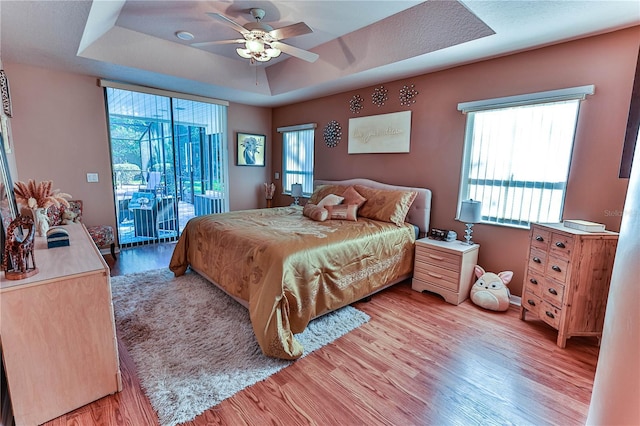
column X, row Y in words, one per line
column 288, row 267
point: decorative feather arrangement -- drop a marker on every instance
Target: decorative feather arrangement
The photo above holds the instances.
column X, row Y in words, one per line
column 39, row 195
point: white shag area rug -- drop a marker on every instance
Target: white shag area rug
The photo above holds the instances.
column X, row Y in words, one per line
column 193, row 345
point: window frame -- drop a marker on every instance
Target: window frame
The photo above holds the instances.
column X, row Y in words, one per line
column 549, row 97
column 308, row 174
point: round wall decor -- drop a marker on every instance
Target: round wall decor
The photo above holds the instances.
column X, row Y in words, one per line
column 356, row 104
column 332, row 133
column 379, row 96
column 407, row 95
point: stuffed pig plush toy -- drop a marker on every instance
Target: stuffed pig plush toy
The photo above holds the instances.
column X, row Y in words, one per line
column 490, row 290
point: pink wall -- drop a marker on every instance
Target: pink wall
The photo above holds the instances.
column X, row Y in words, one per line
column 60, row 134
column 437, row 134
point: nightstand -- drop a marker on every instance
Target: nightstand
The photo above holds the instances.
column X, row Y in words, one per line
column 444, row 268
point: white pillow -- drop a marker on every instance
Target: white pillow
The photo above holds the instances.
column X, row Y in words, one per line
column 330, row 200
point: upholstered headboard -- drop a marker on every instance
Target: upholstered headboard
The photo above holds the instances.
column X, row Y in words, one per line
column 420, row 210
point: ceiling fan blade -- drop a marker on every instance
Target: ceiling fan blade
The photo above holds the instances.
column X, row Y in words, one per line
column 294, row 51
column 230, row 22
column 290, row 31
column 210, row 43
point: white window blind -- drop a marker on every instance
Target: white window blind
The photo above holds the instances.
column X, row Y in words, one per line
column 297, row 157
column 517, row 157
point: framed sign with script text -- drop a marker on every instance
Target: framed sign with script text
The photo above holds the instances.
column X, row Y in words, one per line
column 385, row 133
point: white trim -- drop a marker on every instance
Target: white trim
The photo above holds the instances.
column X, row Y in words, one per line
column 297, row 127
column 570, row 93
column 159, row 92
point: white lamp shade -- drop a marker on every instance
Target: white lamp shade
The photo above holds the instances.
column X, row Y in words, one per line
column 470, row 211
column 296, row 190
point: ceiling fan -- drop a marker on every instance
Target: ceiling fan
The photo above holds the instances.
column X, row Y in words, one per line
column 261, row 41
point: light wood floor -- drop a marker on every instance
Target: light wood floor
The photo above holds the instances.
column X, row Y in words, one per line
column 419, row 361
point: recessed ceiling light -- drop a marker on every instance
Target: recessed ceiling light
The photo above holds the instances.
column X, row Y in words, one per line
column 184, row 35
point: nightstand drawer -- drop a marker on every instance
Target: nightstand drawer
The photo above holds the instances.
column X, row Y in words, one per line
column 436, row 257
column 439, row 276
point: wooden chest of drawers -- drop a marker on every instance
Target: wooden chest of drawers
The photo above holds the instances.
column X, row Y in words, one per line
column 567, row 279
column 444, row 268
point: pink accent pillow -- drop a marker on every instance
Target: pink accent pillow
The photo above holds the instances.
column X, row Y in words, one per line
column 385, row 204
column 343, row 212
column 314, row 212
column 351, row 196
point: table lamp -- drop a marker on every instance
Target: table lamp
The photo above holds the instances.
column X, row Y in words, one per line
column 296, row 193
column 470, row 213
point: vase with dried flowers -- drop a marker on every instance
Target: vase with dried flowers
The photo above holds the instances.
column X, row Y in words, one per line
column 269, row 190
column 38, row 197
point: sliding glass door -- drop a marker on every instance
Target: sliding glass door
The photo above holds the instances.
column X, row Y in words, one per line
column 169, row 163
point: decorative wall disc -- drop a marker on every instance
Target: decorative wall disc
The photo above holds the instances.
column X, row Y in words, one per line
column 379, row 96
column 332, row 133
column 407, row 95
column 356, row 104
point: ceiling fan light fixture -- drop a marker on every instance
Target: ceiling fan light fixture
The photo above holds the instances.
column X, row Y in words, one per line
column 245, row 53
column 272, row 53
column 255, row 46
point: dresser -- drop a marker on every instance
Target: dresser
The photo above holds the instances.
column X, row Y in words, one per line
column 444, row 268
column 567, row 278
column 57, row 331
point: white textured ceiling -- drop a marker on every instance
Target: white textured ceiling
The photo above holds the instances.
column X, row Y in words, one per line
column 359, row 42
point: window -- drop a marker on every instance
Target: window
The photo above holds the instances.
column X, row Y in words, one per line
column 517, row 155
column 297, row 157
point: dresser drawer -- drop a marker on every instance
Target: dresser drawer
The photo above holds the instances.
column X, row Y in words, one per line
column 437, row 257
column 532, row 303
column 534, row 282
column 553, row 292
column 441, row 277
column 561, row 245
column 540, row 238
column 537, row 260
column 557, row 268
column 550, row 314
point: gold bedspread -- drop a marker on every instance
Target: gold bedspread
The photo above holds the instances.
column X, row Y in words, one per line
column 290, row 268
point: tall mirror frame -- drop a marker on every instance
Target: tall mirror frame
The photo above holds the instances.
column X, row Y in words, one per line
column 8, row 205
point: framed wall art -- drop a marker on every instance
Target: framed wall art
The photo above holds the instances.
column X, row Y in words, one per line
column 385, row 133
column 250, row 149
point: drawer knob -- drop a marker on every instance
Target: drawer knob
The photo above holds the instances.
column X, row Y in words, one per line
column 549, row 314
column 438, row 276
column 556, row 268
column 539, row 238
column 433, row 256
column 537, row 259
column 553, row 291
column 533, row 281
column 560, row 244
column 531, row 302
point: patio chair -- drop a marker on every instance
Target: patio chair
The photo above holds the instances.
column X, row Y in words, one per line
column 102, row 235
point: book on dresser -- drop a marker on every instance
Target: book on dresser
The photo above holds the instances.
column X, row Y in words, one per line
column 584, row 225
